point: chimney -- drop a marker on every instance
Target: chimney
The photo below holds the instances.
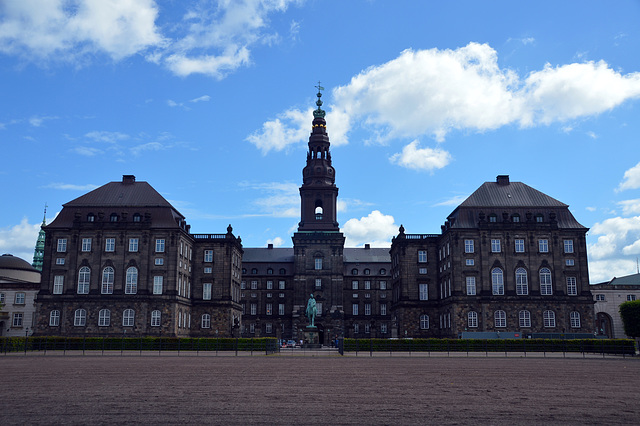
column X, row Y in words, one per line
column 502, row 180
column 128, row 179
column 270, row 246
column 367, row 246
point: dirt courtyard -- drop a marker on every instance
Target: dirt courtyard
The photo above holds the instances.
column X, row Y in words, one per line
column 317, row 390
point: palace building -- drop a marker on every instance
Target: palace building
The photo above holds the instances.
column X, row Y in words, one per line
column 121, row 259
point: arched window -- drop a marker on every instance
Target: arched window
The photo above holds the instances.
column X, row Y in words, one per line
column 270, row 271
column 497, row 281
column 128, row 317
column 493, row 218
column 132, row 281
column 318, row 263
column 318, row 210
column 137, row 217
column 113, row 217
column 515, row 218
column 282, row 271
column 84, row 276
column 383, row 271
column 80, row 318
column 472, row 319
column 155, row 318
column 575, row 319
column 107, row 280
column 254, row 271
column 354, row 271
column 367, row 271
column 91, row 217
column 522, row 284
column 549, row 318
column 546, row 288
column 104, row 318
column 524, row 318
column 424, row 322
column 206, row 321
column 500, row 318
column 54, row 318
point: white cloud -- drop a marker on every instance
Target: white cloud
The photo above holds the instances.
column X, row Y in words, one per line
column 454, row 201
column 277, row 241
column 630, row 207
column 87, row 151
column 631, row 179
column 616, row 238
column 71, row 187
column 36, row 121
column 150, row 146
column 604, row 270
column 20, row 240
column 283, row 199
column 69, row 29
column 375, row 229
column 416, row 158
column 204, row 98
column 434, row 92
column 108, row 137
column 291, row 127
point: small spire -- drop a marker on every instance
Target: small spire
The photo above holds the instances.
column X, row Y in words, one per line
column 319, row 112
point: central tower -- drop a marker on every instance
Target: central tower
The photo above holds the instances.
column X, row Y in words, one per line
column 319, row 194
column 319, row 245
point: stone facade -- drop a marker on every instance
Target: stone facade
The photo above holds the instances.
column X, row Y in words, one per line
column 608, row 297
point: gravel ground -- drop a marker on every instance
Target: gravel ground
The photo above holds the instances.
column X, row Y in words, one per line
column 397, row 390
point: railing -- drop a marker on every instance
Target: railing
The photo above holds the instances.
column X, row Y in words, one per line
column 102, row 345
column 622, row 347
column 209, row 236
column 420, row 236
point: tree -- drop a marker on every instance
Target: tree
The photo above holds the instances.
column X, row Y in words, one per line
column 630, row 314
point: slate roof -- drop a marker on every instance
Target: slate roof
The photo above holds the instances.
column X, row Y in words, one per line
column 363, row 255
column 118, row 194
column 269, row 255
column 633, row 280
column 514, row 194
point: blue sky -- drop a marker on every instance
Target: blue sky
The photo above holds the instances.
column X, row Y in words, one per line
column 210, row 102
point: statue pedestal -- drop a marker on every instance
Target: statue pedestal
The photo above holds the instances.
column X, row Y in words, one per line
column 311, row 338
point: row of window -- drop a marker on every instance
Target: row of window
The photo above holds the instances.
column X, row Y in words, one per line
column 269, row 285
column 355, row 285
column 268, row 309
column 254, row 271
column 355, row 309
column 601, row 297
column 137, row 217
column 128, row 318
column 384, row 329
column 519, row 246
column 367, row 271
column 108, row 275
column 500, row 319
column 18, row 300
column 515, row 218
column 109, row 245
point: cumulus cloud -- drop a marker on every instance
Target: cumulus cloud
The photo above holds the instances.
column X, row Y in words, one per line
column 282, row 199
column 68, row 29
column 375, row 229
column 289, row 128
column 631, row 179
column 433, row 92
column 19, row 240
column 71, row 187
column 604, row 270
column 107, row 137
column 617, row 237
column 277, row 241
column 416, row 158
column 630, row 207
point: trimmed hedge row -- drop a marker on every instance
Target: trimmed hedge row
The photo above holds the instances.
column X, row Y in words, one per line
column 61, row 343
column 608, row 346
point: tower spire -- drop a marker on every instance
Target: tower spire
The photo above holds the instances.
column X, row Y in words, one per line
column 318, row 191
column 38, row 254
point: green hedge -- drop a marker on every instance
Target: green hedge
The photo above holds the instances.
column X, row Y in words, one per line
column 608, row 346
column 60, row 343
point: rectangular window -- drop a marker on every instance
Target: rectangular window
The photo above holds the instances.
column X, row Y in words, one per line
column 62, row 245
column 572, row 286
column 424, row 291
column 519, row 245
column 422, row 256
column 207, row 269
column 318, row 263
column 54, row 318
column 208, row 255
column 86, row 244
column 281, row 285
column 570, row 262
column 159, row 261
column 468, row 246
column 206, row 291
column 367, row 308
column 470, row 262
column 19, row 298
column 543, row 246
column 318, row 283
column 495, row 246
column 160, row 245
column 422, row 271
column 60, row 261
column 58, row 284
column 268, row 328
column 254, row 308
column 158, row 281
column 568, row 246
column 354, row 285
column 109, row 244
column 254, row 285
column 367, row 285
column 631, row 297
column 17, row 319
column 383, row 328
column 281, row 309
column 600, row 298
column 524, row 318
column 269, row 285
column 471, row 286
column 269, row 309
column 356, row 328
column 383, row 309
column 383, row 285
column 133, row 244
column 243, row 285
column 354, row 309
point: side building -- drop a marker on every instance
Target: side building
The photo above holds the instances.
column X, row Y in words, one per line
column 608, row 297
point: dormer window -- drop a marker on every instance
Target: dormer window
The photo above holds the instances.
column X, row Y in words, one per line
column 113, row 217
column 493, row 218
column 539, row 218
column 91, row 217
column 137, row 217
column 515, row 218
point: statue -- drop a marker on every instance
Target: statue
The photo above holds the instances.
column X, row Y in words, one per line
column 312, row 310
